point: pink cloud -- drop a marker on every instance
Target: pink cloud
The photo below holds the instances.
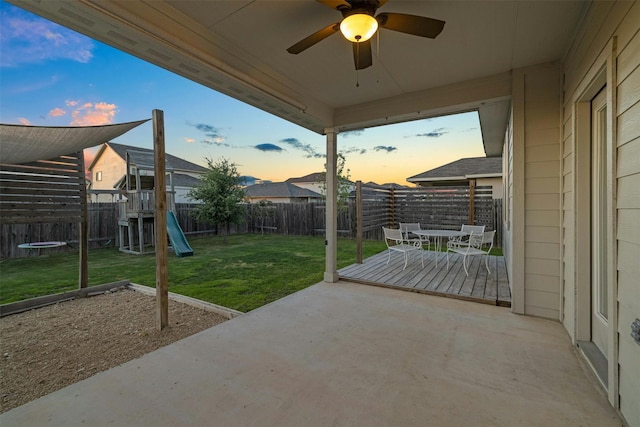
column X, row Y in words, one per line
column 189, row 140
column 24, row 122
column 96, row 114
column 70, row 103
column 57, row 112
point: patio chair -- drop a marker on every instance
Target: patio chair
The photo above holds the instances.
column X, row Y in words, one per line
column 396, row 242
column 475, row 246
column 463, row 241
column 408, row 227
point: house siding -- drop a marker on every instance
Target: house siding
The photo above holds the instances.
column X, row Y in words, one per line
column 542, row 183
column 614, row 26
column 628, row 222
column 112, row 166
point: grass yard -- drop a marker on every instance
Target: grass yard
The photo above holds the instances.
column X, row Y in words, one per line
column 245, row 273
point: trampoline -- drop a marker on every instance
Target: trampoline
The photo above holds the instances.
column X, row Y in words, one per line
column 41, row 245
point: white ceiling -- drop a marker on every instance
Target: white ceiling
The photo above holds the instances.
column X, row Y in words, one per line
column 238, row 47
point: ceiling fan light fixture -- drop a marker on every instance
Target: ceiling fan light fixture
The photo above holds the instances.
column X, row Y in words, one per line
column 358, row 27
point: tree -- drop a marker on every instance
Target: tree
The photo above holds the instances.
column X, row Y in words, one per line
column 220, row 193
column 344, row 183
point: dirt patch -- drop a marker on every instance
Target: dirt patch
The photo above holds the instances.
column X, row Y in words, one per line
column 46, row 349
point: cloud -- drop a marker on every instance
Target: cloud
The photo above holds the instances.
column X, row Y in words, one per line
column 189, row 140
column 24, row 122
column 386, row 148
column 96, row 114
column 436, row 133
column 310, row 151
column 26, row 39
column 351, row 150
column 212, row 134
column 57, row 112
column 70, row 103
column 355, row 132
column 268, row 147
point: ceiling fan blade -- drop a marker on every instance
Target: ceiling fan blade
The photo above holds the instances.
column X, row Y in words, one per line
column 335, row 4
column 411, row 24
column 314, row 38
column 362, row 55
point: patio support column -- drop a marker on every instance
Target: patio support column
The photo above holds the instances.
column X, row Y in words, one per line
column 331, row 227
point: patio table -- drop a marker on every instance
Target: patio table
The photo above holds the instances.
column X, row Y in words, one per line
column 439, row 234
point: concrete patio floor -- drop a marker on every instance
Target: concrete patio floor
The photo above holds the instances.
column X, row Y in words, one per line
column 345, row 355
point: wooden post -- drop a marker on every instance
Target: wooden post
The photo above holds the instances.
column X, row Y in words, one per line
column 472, row 200
column 392, row 207
column 162, row 259
column 331, row 226
column 83, row 269
column 359, row 222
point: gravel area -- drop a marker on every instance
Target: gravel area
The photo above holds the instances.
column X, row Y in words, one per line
column 46, row 349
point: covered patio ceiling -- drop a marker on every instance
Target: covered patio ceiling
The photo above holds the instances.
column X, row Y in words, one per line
column 239, row 48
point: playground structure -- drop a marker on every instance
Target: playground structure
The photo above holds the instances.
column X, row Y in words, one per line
column 138, row 208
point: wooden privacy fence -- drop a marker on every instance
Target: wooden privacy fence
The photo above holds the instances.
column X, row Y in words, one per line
column 433, row 207
column 440, row 208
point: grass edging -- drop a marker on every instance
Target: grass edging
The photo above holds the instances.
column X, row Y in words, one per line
column 229, row 313
column 37, row 302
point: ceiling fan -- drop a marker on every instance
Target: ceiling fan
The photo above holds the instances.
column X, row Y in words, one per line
column 359, row 23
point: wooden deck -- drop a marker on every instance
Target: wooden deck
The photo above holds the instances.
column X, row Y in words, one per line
column 478, row 286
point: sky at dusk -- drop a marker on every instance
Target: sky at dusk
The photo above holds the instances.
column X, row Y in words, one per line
column 52, row 76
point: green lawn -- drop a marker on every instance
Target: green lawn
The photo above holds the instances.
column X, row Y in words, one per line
column 245, row 273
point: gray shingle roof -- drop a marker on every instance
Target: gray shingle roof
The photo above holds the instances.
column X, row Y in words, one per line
column 144, row 157
column 462, row 168
column 312, row 177
column 279, row 189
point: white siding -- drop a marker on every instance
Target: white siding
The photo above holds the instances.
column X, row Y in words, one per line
column 542, row 190
column 112, row 166
column 628, row 224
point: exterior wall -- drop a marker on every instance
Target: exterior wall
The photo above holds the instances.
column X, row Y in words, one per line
column 536, row 193
column 313, row 186
column 112, row 166
column 496, row 186
column 606, row 51
column 628, row 217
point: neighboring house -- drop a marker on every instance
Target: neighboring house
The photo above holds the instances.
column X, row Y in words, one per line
column 281, row 192
column 485, row 171
column 313, row 181
column 109, row 172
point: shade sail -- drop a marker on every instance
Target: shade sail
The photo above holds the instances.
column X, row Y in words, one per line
column 22, row 144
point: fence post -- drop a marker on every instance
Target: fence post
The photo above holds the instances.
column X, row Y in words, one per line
column 472, row 199
column 392, row 206
column 359, row 222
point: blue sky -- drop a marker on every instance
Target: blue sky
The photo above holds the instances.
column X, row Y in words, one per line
column 52, row 76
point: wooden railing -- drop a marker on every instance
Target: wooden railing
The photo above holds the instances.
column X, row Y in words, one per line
column 141, row 202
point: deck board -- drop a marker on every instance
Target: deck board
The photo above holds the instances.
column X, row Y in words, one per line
column 480, row 286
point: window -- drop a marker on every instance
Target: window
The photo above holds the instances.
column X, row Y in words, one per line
column 99, row 176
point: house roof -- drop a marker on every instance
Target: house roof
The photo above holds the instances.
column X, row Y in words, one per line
column 179, row 180
column 312, row 177
column 279, row 189
column 471, row 167
column 143, row 157
column 231, row 47
column 182, row 180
